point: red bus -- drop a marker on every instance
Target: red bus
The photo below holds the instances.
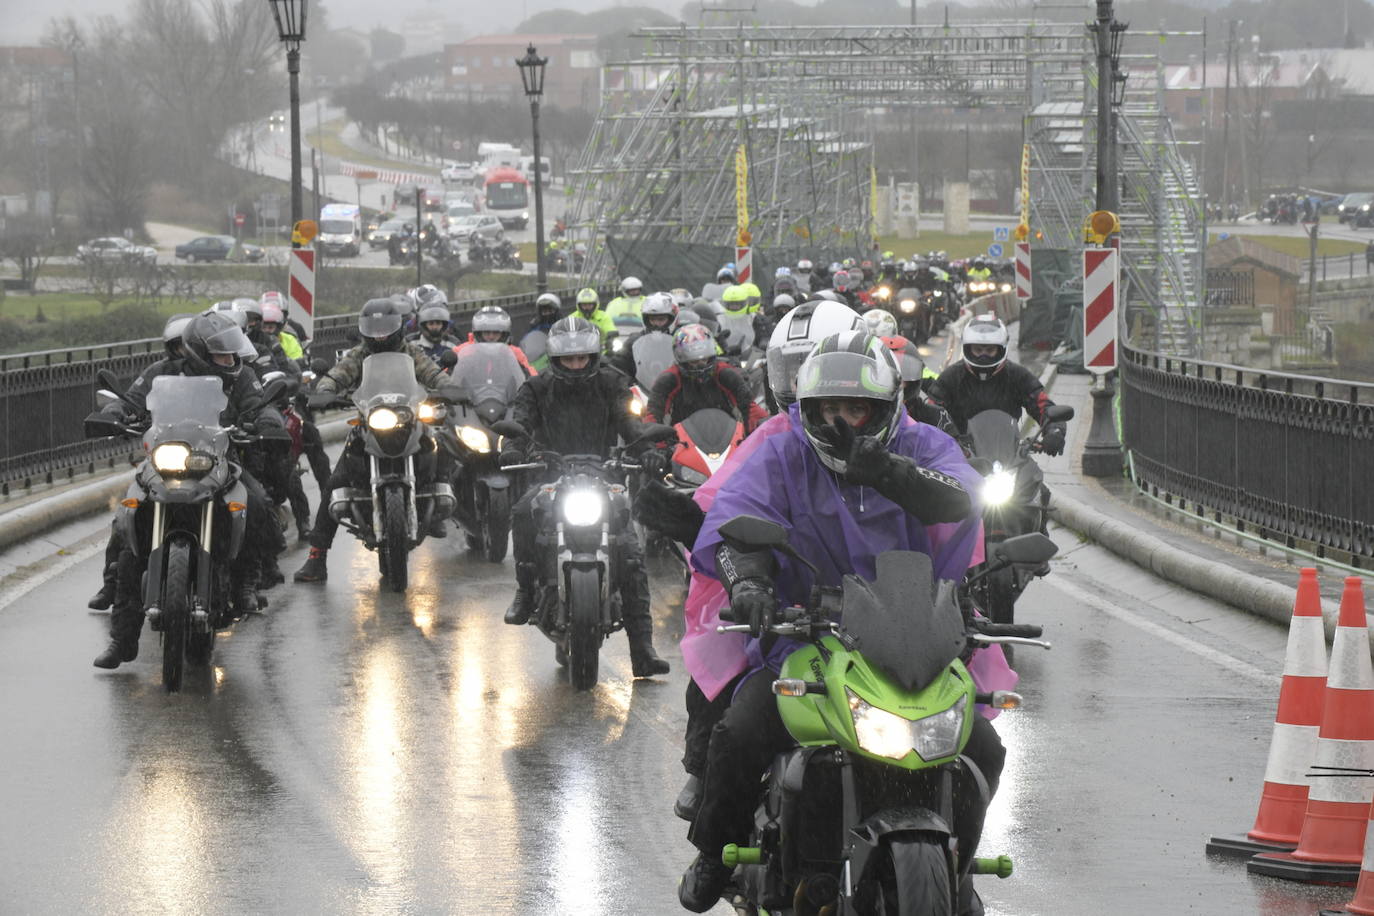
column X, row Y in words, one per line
column 507, row 196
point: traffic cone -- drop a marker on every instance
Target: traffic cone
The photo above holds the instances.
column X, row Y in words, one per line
column 1283, row 800
column 1331, row 846
column 1363, row 902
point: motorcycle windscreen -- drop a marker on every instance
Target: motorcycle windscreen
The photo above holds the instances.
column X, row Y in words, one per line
column 487, row 376
column 653, row 354
column 187, row 408
column 901, row 622
column 741, row 328
column 535, row 344
column 995, row 436
column 390, row 379
column 711, row 430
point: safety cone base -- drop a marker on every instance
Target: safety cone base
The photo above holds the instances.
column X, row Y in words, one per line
column 1283, row 865
column 1241, row 846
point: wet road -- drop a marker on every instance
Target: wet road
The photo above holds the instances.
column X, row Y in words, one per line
column 356, row 751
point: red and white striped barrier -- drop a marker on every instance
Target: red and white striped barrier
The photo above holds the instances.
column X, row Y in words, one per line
column 1023, row 271
column 744, row 265
column 386, row 176
column 1100, row 286
column 300, row 289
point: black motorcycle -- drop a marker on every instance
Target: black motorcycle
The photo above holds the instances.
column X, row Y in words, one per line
column 915, row 318
column 191, row 487
column 395, row 414
column 584, row 513
column 1015, row 502
column 486, row 376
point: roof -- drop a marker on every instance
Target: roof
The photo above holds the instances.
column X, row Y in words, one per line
column 1285, row 70
column 1238, row 248
column 1351, row 70
column 536, row 40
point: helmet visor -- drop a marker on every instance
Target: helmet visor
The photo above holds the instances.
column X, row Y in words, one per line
column 783, row 363
column 575, row 343
column 379, row 326
column 228, row 340
column 846, row 375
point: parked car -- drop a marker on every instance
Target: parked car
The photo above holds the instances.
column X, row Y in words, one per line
column 483, row 225
column 455, row 210
column 383, row 233
column 115, row 250
column 458, row 172
column 1356, row 210
column 217, row 248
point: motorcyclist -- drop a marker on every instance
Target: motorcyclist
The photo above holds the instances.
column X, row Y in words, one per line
column 986, row 380
column 274, row 325
column 697, row 380
column 768, row 318
column 658, row 314
column 211, row 345
column 854, row 478
column 434, row 337
column 725, row 278
column 737, row 302
column 845, row 286
column 978, row 271
column 379, row 324
column 803, row 276
column 915, row 376
column 629, row 302
column 311, row 444
column 578, row 407
column 589, row 307
column 491, row 324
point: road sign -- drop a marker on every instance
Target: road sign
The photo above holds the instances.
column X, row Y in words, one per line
column 1001, row 234
column 1099, row 309
column 239, row 219
column 994, row 250
column 457, row 145
column 744, row 265
column 300, row 290
column 1023, row 271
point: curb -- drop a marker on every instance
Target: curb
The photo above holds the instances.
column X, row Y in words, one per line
column 37, row 518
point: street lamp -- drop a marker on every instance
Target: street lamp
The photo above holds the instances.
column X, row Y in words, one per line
column 290, row 16
column 532, row 75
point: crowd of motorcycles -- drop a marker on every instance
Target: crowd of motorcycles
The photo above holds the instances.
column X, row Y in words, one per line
column 849, row 821
column 434, row 247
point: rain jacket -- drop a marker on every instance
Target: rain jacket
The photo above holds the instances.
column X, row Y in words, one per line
column 775, row 474
column 347, row 373
column 624, row 305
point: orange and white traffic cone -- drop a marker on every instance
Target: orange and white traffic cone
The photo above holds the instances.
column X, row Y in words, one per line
column 1362, row 904
column 1331, row 846
column 1293, row 747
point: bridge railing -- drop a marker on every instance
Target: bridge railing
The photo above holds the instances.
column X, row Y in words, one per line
column 45, row 396
column 1285, row 458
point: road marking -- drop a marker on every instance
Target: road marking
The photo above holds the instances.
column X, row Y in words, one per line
column 24, row 583
column 1207, row 653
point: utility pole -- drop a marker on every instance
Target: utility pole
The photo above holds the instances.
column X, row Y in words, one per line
column 1106, row 28
column 1226, row 122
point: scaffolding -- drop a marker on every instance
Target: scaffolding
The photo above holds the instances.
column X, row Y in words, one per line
column 803, row 101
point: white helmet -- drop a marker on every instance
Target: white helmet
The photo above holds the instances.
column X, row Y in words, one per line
column 880, row 323
column 796, row 334
column 985, row 330
column 631, row 283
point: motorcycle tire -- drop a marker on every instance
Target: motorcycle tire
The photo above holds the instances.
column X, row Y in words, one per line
column 999, row 591
column 393, row 551
column 496, row 526
column 176, row 613
column 584, row 627
column 913, row 878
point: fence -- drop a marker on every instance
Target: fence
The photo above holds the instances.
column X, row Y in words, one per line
column 1282, row 457
column 1339, row 266
column 45, row 396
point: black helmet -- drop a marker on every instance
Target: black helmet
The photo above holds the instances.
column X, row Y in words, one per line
column 849, row 365
column 208, row 336
column 574, row 336
column 379, row 323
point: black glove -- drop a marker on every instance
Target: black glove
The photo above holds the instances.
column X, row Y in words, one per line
column 752, row 602
column 670, row 511
column 655, row 462
column 1053, row 439
column 512, row 456
column 866, row 459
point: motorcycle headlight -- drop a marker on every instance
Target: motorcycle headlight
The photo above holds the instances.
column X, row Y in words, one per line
column 889, row 735
column 383, row 418
column 937, row 294
column 998, row 488
column 525, row 215
column 908, row 305
column 171, row 456
column 637, row 406
column 617, row 345
column 476, row 439
column 883, row 292
column 582, row 508
column 428, row 412
column 1006, row 287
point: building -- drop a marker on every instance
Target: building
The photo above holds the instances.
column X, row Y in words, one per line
column 1258, row 82
column 484, row 68
column 1274, row 277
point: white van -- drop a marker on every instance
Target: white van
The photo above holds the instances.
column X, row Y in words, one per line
column 498, row 155
column 545, row 170
column 341, row 230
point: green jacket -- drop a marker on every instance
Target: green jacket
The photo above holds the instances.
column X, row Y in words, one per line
column 625, row 305
column 348, row 371
column 603, row 322
column 290, row 345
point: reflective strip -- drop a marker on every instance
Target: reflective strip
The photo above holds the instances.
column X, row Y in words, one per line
column 1306, row 648
column 1290, row 752
column 1350, row 666
column 1367, row 863
column 1337, row 752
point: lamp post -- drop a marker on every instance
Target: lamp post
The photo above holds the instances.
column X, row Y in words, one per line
column 532, row 75
column 290, row 16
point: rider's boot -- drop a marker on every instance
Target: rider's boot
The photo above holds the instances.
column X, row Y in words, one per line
column 522, row 606
column 102, row 599
column 703, row 882
column 689, row 799
column 314, row 569
column 644, row 661
column 126, row 622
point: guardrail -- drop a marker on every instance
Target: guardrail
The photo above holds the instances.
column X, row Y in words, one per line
column 1338, row 266
column 1283, row 458
column 45, row 396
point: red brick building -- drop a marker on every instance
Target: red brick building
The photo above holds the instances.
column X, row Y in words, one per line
column 484, row 68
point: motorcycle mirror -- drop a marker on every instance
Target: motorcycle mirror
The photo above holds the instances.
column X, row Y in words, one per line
column 656, row 432
column 98, row 426
column 752, row 531
column 104, row 397
column 448, row 359
column 272, row 377
column 273, row 389
column 320, row 399
column 1058, row 413
column 319, row 365
column 1034, row 548
column 108, row 380
column 510, row 429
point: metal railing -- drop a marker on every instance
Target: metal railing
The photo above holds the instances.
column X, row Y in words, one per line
column 45, row 396
column 1339, row 266
column 1280, row 457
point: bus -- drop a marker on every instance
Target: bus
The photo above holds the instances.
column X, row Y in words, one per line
column 507, row 197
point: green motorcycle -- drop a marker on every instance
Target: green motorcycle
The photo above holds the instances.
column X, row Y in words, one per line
column 860, row 816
